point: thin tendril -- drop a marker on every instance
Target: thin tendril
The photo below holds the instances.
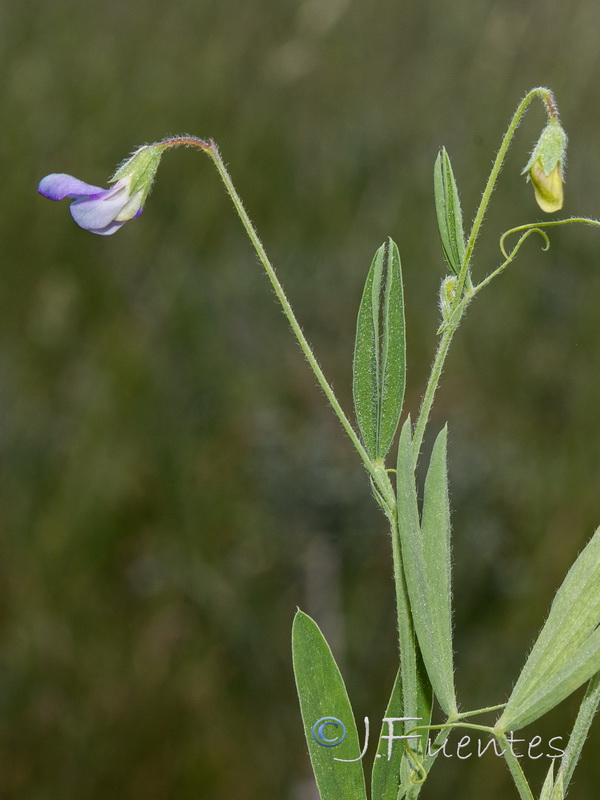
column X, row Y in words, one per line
column 517, row 247
column 549, row 224
column 420, row 767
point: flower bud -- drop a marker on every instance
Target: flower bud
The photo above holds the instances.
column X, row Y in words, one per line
column 447, row 296
column 548, row 188
column 545, row 167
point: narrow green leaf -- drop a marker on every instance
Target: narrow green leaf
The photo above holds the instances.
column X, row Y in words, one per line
column 408, row 528
column 553, row 789
column 365, row 385
column 426, row 600
column 435, row 527
column 385, row 778
column 567, row 651
column 393, row 352
column 587, row 710
column 558, row 792
column 449, row 214
column 379, row 372
column 546, row 793
column 424, row 704
column 560, row 683
column 329, row 724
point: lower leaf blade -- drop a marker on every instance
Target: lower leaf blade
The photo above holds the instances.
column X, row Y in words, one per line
column 329, row 724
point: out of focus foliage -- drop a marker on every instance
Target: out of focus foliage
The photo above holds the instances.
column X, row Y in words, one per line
column 173, row 484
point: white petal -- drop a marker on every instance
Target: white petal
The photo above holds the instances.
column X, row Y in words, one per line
column 94, row 213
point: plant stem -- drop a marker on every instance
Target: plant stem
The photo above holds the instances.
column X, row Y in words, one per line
column 514, row 766
column 453, row 725
column 379, row 477
column 547, row 97
column 432, row 384
column 406, row 632
column 463, row 291
column 465, row 714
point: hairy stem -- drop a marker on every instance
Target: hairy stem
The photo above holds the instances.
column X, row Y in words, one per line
column 406, row 632
column 378, row 475
column 432, row 384
column 463, row 291
column 547, row 97
column 514, row 766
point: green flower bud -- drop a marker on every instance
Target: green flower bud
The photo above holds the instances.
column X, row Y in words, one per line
column 447, row 295
column 545, row 167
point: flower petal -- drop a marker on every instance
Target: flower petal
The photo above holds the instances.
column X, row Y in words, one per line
column 57, row 186
column 96, row 212
column 132, row 208
column 111, row 228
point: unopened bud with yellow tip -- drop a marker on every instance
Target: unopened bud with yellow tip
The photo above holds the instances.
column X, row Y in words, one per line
column 545, row 167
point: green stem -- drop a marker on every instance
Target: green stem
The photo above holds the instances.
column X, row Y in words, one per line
column 406, row 631
column 382, row 484
column 423, row 766
column 463, row 291
column 548, row 99
column 377, row 471
column 465, row 714
column 445, row 729
column 432, row 384
column 452, row 725
column 514, row 766
column 378, row 475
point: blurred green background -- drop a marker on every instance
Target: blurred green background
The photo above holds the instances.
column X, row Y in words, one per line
column 173, row 484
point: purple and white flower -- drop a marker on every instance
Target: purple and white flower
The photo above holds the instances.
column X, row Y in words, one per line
column 103, row 211
column 95, row 209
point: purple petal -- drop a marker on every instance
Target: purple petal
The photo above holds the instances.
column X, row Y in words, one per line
column 96, row 213
column 58, row 186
